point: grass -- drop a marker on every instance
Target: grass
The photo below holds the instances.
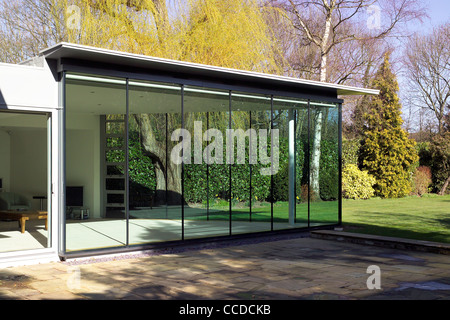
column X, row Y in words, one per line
column 322, row 212
column 421, row 218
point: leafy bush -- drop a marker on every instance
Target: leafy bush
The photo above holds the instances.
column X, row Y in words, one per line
column 390, row 157
column 329, row 170
column 423, row 150
column 421, row 180
column 350, row 151
column 440, row 161
column 357, row 184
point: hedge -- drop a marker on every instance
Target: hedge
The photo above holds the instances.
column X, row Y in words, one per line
column 142, row 173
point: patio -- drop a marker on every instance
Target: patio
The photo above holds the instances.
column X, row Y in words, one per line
column 265, row 268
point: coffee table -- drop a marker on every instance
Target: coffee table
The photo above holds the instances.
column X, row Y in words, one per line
column 23, row 216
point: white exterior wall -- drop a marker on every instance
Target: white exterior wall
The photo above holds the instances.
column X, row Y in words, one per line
column 23, row 86
column 34, row 89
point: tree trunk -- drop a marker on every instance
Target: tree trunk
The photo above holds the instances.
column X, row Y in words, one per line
column 315, row 157
column 165, row 169
column 316, row 150
column 444, row 187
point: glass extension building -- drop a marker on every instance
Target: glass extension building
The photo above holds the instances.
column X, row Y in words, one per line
column 139, row 152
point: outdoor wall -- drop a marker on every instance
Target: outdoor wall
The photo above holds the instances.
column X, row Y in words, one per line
column 183, row 183
column 38, row 79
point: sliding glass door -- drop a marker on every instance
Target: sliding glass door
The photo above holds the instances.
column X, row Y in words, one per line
column 25, row 177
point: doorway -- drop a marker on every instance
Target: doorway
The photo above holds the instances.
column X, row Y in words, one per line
column 25, row 164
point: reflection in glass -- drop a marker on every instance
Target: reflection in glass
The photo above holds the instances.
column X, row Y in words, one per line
column 301, row 166
column 183, row 162
column 260, row 174
column 289, row 119
column 154, row 180
column 324, row 164
column 206, row 174
column 99, row 221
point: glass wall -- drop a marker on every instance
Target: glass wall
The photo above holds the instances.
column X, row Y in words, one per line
column 290, row 119
column 95, row 144
column 155, row 195
column 301, row 145
column 250, row 168
column 206, row 173
column 161, row 162
column 324, row 164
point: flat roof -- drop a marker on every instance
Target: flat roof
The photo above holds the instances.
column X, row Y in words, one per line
column 82, row 52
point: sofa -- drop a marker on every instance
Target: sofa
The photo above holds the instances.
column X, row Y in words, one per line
column 14, row 201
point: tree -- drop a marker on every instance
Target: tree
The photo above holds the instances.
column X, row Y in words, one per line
column 229, row 34
column 386, row 152
column 427, row 60
column 325, row 25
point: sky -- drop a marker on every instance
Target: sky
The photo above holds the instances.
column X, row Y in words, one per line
column 439, row 13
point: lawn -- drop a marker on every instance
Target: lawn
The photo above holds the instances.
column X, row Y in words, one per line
column 425, row 218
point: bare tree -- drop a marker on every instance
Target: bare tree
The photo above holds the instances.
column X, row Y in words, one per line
column 327, row 24
column 427, row 59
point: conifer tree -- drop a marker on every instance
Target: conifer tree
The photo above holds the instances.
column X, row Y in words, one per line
column 386, row 151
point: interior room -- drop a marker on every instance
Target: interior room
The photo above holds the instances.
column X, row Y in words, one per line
column 24, row 181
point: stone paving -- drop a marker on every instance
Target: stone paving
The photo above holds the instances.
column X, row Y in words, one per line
column 286, row 268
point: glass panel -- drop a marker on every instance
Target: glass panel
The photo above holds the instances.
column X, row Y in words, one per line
column 154, row 180
column 288, row 119
column 301, row 167
column 95, row 161
column 206, row 174
column 23, row 181
column 324, row 164
column 250, row 174
column 240, row 146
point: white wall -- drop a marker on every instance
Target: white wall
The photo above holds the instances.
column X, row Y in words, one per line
column 83, row 158
column 29, row 163
column 27, row 86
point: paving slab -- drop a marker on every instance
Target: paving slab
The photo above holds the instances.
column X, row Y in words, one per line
column 285, row 267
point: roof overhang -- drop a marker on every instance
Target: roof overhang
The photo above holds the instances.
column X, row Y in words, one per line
column 97, row 55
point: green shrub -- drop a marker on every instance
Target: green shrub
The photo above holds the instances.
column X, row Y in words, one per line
column 423, row 150
column 440, row 161
column 329, row 170
column 357, row 184
column 350, row 151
